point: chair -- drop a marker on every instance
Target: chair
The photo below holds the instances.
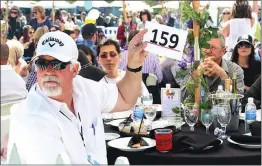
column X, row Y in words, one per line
column 150, row 80
column 111, row 32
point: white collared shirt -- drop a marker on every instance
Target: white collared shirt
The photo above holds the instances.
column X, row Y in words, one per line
column 12, row 85
column 43, row 128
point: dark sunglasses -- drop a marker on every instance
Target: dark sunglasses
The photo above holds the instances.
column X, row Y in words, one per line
column 111, row 54
column 226, row 13
column 52, row 30
column 34, row 12
column 13, row 12
column 31, row 32
column 245, row 45
column 56, row 64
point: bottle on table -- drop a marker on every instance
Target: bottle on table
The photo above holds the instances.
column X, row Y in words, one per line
column 234, row 84
column 250, row 113
column 227, row 88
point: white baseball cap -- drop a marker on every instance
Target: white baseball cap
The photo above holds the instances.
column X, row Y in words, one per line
column 58, row 45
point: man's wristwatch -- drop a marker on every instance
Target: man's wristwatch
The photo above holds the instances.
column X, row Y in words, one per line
column 134, row 70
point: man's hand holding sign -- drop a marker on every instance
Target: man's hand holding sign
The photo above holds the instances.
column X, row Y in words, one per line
column 165, row 40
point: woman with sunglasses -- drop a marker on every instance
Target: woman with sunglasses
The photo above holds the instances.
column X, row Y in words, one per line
column 15, row 24
column 244, row 56
column 40, row 18
column 226, row 14
column 27, row 41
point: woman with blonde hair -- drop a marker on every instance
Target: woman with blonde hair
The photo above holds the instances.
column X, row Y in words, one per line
column 16, row 51
column 40, row 19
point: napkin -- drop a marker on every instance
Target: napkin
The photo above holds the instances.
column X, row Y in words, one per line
column 184, row 140
column 255, row 128
column 245, row 139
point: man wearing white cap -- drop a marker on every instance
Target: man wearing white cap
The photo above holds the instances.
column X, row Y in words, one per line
column 61, row 115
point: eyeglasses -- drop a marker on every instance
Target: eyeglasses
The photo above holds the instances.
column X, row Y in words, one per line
column 13, row 12
column 244, row 45
column 226, row 13
column 112, row 54
column 31, row 32
column 214, row 48
column 56, row 64
column 34, row 12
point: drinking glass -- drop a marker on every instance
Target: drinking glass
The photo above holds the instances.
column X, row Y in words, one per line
column 223, row 117
column 150, row 113
column 191, row 114
column 147, row 99
column 207, row 118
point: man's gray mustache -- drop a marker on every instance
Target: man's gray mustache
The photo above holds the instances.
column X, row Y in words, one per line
column 50, row 78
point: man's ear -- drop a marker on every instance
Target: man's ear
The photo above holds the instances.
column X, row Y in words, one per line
column 76, row 70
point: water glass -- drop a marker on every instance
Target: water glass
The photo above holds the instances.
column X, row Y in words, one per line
column 223, row 117
column 147, row 99
column 150, row 113
column 207, row 118
column 191, row 114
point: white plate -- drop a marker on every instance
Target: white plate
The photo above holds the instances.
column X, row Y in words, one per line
column 244, row 145
column 121, row 144
column 111, row 136
column 115, row 123
column 208, row 147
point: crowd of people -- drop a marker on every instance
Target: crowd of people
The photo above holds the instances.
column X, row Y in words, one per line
column 68, row 73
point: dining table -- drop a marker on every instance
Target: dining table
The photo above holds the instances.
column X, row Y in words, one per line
column 227, row 153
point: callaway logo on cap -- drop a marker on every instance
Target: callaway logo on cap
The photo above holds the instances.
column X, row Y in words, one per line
column 58, row 45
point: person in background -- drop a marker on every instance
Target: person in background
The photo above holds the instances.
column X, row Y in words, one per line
column 40, row 18
column 121, row 31
column 59, row 20
column 83, row 16
column 78, row 20
column 55, row 28
column 16, row 52
column 89, row 53
column 87, row 69
column 31, row 79
column 28, row 16
column 255, row 92
column 109, row 58
column 144, row 16
column 70, row 33
column 28, row 42
column 69, row 24
column 12, row 84
column 244, row 55
column 4, row 32
column 100, row 20
column 78, row 36
column 64, row 15
column 241, row 15
column 89, row 33
column 150, row 65
column 107, row 22
column 100, row 36
column 226, row 14
column 15, row 24
column 159, row 19
column 23, row 19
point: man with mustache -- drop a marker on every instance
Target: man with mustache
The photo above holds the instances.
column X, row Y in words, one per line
column 61, row 115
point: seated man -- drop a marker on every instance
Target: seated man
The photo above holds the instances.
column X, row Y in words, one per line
column 217, row 69
column 62, row 112
column 12, row 84
column 109, row 58
column 150, row 65
column 255, row 92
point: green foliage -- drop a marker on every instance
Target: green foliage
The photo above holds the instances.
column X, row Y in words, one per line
column 206, row 33
column 181, row 73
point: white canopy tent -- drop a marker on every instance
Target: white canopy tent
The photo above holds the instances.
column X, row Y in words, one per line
column 223, row 4
column 58, row 4
column 117, row 3
column 136, row 6
column 169, row 5
column 21, row 4
column 96, row 4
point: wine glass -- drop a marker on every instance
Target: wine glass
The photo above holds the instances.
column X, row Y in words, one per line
column 191, row 114
column 147, row 99
column 223, row 117
column 150, row 113
column 207, row 118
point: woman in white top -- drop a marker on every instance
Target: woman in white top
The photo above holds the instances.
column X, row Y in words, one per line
column 109, row 58
column 240, row 24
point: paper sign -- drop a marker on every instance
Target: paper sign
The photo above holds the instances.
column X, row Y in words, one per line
column 170, row 98
column 164, row 40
